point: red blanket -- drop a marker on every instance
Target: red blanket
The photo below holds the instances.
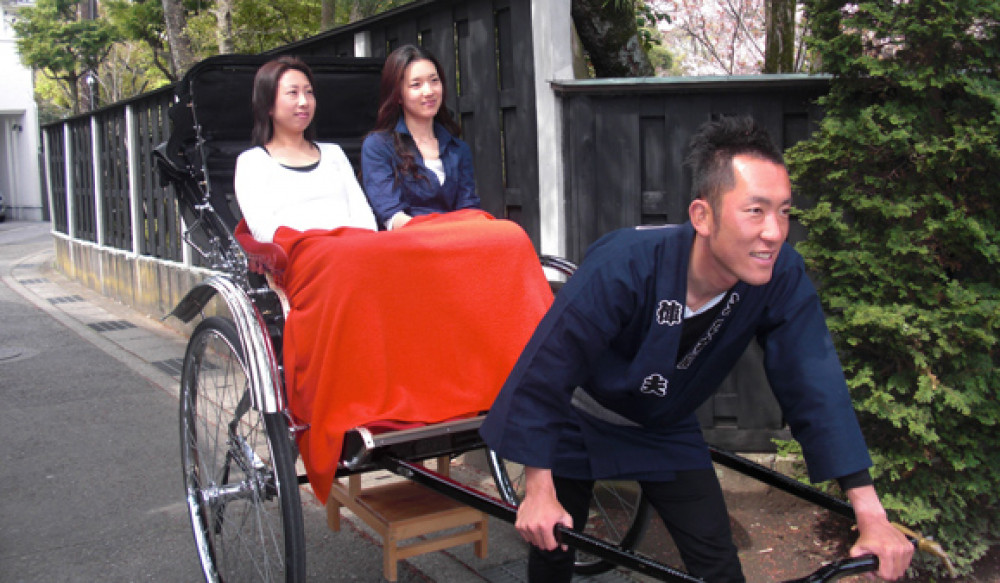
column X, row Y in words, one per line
column 421, row 324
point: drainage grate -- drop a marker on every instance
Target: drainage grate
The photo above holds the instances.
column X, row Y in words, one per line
column 175, row 366
column 171, row 366
column 26, row 265
column 109, row 325
column 65, row 300
column 32, row 281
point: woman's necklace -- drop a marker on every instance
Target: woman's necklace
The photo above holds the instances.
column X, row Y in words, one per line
column 428, row 147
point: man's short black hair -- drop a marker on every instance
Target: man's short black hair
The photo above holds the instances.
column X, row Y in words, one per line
column 712, row 148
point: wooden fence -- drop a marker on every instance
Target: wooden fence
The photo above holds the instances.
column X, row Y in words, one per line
column 624, row 141
column 100, row 180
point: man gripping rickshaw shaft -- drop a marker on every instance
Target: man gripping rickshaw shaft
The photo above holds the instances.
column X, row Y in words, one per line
column 644, row 332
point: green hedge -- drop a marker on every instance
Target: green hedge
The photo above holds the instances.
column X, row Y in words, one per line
column 902, row 189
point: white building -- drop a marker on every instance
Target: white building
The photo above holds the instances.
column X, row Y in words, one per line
column 20, row 183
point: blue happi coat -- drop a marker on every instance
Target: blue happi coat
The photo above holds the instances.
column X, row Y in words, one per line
column 614, row 332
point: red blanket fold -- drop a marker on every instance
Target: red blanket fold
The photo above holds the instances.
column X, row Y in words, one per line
column 421, row 324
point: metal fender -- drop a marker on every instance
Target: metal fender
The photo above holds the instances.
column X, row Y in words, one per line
column 258, row 352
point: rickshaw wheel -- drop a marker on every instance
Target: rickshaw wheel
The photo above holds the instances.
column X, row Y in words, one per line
column 619, row 512
column 240, row 482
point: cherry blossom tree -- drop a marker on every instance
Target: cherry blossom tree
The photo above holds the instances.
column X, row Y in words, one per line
column 729, row 37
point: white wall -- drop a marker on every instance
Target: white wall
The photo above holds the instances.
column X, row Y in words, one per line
column 551, row 37
column 19, row 143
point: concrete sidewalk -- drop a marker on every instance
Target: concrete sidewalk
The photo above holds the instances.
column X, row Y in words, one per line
column 155, row 352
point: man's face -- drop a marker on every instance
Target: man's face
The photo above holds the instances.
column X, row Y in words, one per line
column 749, row 224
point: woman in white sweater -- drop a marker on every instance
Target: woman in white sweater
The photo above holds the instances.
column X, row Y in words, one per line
column 287, row 178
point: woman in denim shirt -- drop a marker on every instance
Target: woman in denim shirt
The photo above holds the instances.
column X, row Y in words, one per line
column 413, row 162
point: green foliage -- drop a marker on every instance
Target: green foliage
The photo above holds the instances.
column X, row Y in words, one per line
column 51, row 38
column 130, row 70
column 54, row 102
column 904, row 234
column 126, row 46
column 646, row 19
column 664, row 61
column 365, row 8
column 141, row 21
column 261, row 25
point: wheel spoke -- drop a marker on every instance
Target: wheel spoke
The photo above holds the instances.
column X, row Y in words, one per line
column 239, row 467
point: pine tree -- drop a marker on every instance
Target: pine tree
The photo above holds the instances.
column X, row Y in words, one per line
column 903, row 177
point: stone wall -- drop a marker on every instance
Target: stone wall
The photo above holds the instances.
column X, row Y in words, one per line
column 147, row 285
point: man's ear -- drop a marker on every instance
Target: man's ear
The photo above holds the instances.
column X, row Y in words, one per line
column 700, row 213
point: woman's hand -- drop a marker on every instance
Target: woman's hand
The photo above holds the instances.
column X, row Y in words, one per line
column 540, row 511
column 399, row 220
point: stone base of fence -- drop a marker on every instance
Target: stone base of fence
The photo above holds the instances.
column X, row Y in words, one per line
column 147, row 285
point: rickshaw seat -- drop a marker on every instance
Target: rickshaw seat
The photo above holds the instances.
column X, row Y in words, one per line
column 402, row 382
column 267, row 259
column 263, row 258
column 399, row 512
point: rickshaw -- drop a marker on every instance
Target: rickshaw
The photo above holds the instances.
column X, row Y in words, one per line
column 238, row 438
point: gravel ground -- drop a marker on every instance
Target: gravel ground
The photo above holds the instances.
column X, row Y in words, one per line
column 781, row 537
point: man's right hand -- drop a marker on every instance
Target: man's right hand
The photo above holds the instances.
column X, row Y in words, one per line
column 540, row 511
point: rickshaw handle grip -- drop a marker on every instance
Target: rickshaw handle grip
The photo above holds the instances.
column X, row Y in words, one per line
column 841, row 568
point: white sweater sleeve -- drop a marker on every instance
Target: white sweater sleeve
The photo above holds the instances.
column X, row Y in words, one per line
column 252, row 187
column 360, row 212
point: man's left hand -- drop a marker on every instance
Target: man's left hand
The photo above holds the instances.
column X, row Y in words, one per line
column 878, row 536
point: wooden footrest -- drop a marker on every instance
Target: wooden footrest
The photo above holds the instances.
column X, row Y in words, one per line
column 404, row 510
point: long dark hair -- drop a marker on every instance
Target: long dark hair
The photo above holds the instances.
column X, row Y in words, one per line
column 265, row 89
column 390, row 105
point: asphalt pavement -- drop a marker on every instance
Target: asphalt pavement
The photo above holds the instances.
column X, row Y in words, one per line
column 90, row 476
column 89, row 483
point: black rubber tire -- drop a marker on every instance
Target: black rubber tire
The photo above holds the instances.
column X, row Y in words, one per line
column 240, row 482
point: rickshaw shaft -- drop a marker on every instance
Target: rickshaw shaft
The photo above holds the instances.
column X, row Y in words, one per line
column 508, row 513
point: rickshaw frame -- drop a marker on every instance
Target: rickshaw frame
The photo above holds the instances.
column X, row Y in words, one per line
column 197, row 160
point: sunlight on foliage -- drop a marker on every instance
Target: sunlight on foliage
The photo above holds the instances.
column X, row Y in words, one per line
column 904, row 171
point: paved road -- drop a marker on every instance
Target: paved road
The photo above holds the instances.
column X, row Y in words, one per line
column 89, row 473
column 88, row 465
column 90, row 481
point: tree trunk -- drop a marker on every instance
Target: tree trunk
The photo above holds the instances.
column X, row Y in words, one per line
column 357, row 13
column 73, row 82
column 611, row 38
column 580, row 68
column 181, row 55
column 224, row 26
column 779, row 51
column 328, row 15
